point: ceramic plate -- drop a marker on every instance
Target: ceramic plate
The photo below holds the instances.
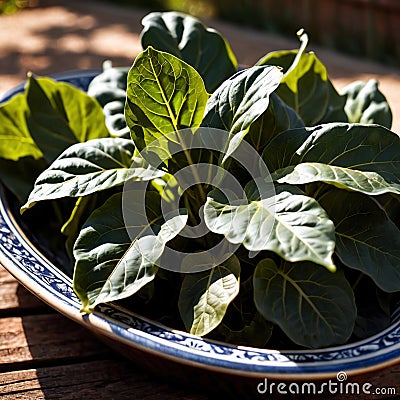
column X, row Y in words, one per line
column 132, row 332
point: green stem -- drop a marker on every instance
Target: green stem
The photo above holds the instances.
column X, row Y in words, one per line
column 303, row 37
column 355, row 284
column 57, row 212
column 189, row 206
column 321, row 190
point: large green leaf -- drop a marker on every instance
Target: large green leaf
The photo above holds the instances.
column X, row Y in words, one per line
column 16, row 141
column 109, row 89
column 368, row 148
column 255, row 334
column 90, row 167
column 278, row 117
column 293, row 226
column 391, row 204
column 314, row 307
column 239, row 101
column 366, row 104
column 164, row 95
column 60, row 115
column 110, row 85
column 39, row 124
column 282, row 151
column 19, row 155
column 21, row 175
column 112, row 264
column 361, row 181
column 205, row 296
column 188, row 39
column 366, row 239
column 306, row 87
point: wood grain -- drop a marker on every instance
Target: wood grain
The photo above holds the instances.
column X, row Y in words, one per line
column 16, row 300
column 5, row 276
column 47, row 356
column 44, row 338
column 102, row 379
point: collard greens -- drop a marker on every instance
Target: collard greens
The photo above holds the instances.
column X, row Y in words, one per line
column 304, row 255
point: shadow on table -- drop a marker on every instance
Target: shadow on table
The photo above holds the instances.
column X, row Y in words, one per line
column 65, row 360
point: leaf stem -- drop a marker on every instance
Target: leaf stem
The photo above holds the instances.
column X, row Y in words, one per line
column 358, row 280
column 193, row 168
column 303, row 37
column 321, row 190
column 57, row 212
column 188, row 206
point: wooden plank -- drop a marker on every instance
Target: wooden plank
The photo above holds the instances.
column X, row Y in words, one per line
column 118, row 379
column 105, row 380
column 16, row 300
column 43, row 339
column 5, row 276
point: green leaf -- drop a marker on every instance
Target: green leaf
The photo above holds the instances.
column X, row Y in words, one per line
column 164, row 95
column 366, row 104
column 239, row 101
column 366, row 239
column 19, row 154
column 255, row 334
column 293, row 226
column 283, row 150
column 278, row 117
column 37, row 125
column 60, row 115
column 373, row 311
column 366, row 182
column 110, row 85
column 314, row 307
column 306, row 87
column 83, row 207
column 90, row 167
column 16, row 141
column 21, row 175
column 391, row 204
column 335, row 111
column 205, row 296
column 188, row 39
column 368, row 148
column 109, row 264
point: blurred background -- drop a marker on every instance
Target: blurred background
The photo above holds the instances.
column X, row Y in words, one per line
column 367, row 28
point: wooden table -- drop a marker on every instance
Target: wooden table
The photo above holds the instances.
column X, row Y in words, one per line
column 44, row 355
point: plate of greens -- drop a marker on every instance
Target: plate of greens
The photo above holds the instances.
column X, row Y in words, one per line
column 114, row 208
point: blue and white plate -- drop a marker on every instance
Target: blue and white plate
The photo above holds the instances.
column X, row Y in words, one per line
column 136, row 336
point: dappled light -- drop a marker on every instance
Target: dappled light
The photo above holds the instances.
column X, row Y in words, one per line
column 53, row 39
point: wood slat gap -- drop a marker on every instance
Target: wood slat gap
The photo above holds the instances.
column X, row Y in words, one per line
column 104, row 379
column 50, row 363
column 45, row 337
column 20, row 312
